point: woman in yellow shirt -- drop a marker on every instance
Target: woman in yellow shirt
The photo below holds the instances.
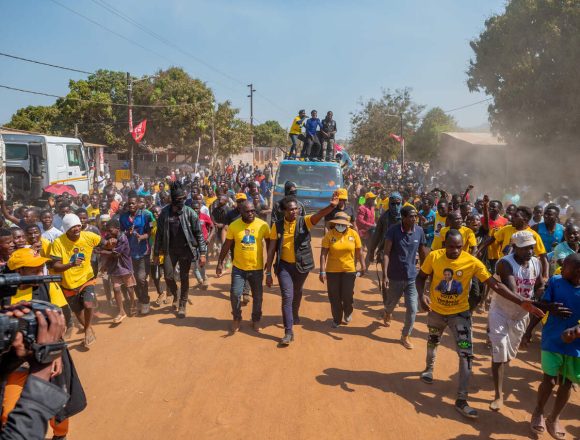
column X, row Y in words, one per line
column 290, row 245
column 341, row 249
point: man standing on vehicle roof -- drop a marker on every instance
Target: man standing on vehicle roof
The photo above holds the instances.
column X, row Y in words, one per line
column 295, row 132
column 312, row 144
column 328, row 131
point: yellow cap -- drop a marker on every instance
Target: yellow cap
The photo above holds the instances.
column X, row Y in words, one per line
column 25, row 257
column 370, row 195
column 342, row 194
column 241, row 196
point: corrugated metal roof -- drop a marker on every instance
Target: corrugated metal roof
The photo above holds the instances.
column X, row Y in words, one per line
column 476, row 138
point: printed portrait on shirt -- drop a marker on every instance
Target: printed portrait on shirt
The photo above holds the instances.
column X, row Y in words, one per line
column 248, row 238
column 449, row 286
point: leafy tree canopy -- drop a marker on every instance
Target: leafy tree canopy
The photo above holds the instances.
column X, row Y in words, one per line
column 424, row 145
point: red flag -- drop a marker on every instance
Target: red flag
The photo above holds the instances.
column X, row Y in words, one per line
column 395, row 137
column 338, row 147
column 139, row 131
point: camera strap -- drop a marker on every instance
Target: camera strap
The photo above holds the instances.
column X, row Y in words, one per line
column 46, row 353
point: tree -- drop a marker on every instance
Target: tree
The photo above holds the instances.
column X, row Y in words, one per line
column 40, row 119
column 270, row 134
column 527, row 60
column 424, row 145
column 377, row 118
column 231, row 133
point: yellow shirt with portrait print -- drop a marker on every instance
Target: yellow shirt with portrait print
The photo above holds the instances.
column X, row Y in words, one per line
column 287, row 253
column 437, row 226
column 503, row 237
column 296, row 128
column 55, row 292
column 63, row 249
column 93, row 212
column 469, row 240
column 450, row 296
column 248, row 243
column 341, row 250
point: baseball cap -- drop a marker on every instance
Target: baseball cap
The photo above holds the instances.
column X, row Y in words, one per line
column 25, row 257
column 523, row 239
column 370, row 195
column 342, row 194
column 241, row 196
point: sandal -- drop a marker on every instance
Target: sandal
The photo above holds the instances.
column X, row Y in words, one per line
column 465, row 410
column 538, row 423
column 119, row 318
column 162, row 296
column 555, row 429
column 427, row 377
column 90, row 338
column 133, row 310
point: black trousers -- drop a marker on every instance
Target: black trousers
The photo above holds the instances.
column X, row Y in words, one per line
column 184, row 259
column 312, row 147
column 340, row 287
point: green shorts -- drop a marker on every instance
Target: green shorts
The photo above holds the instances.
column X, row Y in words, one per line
column 556, row 364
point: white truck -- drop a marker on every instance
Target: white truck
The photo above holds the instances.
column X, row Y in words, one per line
column 32, row 162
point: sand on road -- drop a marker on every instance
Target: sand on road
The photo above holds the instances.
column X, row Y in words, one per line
column 159, row 377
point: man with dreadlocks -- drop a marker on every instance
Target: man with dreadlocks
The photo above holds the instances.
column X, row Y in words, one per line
column 180, row 239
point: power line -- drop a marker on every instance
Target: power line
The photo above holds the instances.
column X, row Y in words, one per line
column 468, row 105
column 96, row 23
column 45, row 64
column 101, row 103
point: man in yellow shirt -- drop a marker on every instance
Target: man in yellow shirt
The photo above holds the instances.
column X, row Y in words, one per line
column 248, row 235
column 71, row 254
column 440, row 223
column 455, row 222
column 451, row 270
column 295, row 132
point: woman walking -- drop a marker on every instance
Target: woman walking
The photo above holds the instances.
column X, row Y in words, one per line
column 290, row 245
column 341, row 249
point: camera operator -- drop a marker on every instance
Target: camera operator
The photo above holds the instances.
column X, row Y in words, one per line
column 40, row 400
column 26, row 262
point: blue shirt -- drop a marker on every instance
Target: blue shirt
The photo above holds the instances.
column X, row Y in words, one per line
column 429, row 230
column 561, row 291
column 550, row 239
column 403, row 256
column 312, row 124
column 141, row 224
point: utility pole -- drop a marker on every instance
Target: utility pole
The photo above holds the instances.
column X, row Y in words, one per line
column 130, row 102
column 76, row 130
column 402, row 140
column 251, row 96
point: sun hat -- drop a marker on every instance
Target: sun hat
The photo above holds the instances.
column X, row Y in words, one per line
column 341, row 218
column 523, row 239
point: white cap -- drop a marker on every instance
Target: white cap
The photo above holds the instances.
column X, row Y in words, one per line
column 70, row 220
column 523, row 239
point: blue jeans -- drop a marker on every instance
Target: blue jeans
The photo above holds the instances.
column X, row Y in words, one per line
column 396, row 289
column 293, row 139
column 291, row 282
column 255, row 279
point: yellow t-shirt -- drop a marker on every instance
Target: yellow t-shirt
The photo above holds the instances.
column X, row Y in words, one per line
column 469, row 239
column 63, row 249
column 296, row 128
column 45, row 250
column 504, row 237
column 439, row 224
column 288, row 240
column 341, row 250
column 209, row 201
column 248, row 243
column 450, row 296
column 93, row 212
column 56, row 296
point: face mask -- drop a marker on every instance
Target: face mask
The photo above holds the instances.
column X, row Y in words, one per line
column 340, row 228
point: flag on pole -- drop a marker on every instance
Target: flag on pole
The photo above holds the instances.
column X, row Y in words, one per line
column 396, row 137
column 138, row 131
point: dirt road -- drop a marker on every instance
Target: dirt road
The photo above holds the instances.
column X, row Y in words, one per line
column 158, row 377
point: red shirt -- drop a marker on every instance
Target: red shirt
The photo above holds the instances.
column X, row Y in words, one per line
column 206, row 224
column 499, row 222
column 365, row 219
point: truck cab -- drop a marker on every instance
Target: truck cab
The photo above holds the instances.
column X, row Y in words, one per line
column 33, row 162
column 315, row 182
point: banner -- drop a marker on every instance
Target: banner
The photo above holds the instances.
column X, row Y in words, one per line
column 139, row 131
column 395, row 137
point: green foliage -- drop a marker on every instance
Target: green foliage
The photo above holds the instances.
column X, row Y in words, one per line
column 88, row 104
column 374, row 121
column 527, row 60
column 270, row 134
column 424, row 145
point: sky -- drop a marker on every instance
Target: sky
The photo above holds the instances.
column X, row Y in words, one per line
column 323, row 55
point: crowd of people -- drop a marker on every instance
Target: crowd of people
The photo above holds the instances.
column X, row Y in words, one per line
column 450, row 254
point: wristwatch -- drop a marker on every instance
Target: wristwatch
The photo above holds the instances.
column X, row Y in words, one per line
column 46, row 353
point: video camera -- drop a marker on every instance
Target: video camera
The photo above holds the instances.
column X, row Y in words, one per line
column 27, row 324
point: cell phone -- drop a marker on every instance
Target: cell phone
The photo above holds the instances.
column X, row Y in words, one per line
column 80, row 255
